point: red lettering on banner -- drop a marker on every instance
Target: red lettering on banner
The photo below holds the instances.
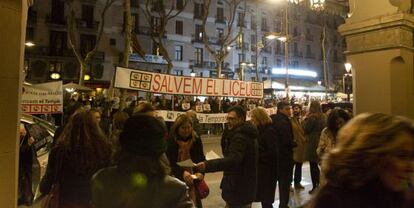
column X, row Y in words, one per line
column 164, row 85
column 223, row 92
column 234, row 92
column 169, row 84
column 242, row 88
column 156, row 85
column 209, row 87
column 248, row 89
column 197, row 88
column 187, row 85
column 178, row 86
column 215, row 88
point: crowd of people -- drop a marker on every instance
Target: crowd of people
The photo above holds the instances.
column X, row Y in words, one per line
column 133, row 160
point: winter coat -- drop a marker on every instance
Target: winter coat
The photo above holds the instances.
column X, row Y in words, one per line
column 285, row 141
column 196, row 154
column 113, row 188
column 326, row 143
column 372, row 195
column 74, row 187
column 239, row 165
column 267, row 166
column 313, row 126
column 299, row 138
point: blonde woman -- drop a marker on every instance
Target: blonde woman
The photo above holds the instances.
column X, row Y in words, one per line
column 267, row 166
column 371, row 165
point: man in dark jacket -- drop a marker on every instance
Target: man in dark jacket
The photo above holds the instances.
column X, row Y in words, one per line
column 240, row 150
column 284, row 149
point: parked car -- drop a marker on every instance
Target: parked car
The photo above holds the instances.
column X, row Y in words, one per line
column 42, row 132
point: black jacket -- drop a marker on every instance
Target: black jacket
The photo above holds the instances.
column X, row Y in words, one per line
column 196, row 154
column 240, row 150
column 285, row 140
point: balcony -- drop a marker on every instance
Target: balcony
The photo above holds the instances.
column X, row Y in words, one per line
column 99, row 55
column 309, row 37
column 221, row 20
column 196, row 39
column 241, row 23
column 244, row 46
column 310, row 56
column 50, row 51
column 84, row 24
column 267, row 49
column 57, row 21
column 297, row 54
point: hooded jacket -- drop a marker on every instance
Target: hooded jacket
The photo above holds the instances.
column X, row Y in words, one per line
column 239, row 165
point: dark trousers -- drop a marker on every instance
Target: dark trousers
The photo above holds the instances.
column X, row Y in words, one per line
column 314, row 170
column 285, row 180
column 298, row 173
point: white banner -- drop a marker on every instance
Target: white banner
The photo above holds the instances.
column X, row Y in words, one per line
column 210, row 118
column 42, row 98
column 181, row 85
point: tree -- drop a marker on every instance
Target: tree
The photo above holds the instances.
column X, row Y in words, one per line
column 157, row 16
column 84, row 59
column 227, row 38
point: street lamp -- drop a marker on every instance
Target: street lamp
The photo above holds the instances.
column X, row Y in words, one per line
column 29, row 44
column 347, row 86
column 192, row 74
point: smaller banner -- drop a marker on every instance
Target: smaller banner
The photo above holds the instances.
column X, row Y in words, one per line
column 209, row 118
column 181, row 85
column 42, row 98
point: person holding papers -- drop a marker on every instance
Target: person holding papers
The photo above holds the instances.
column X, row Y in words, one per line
column 185, row 145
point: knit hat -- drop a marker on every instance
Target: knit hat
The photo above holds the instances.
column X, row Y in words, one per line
column 143, row 135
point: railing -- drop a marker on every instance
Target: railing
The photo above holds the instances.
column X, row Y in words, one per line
column 57, row 21
column 81, row 23
column 221, row 19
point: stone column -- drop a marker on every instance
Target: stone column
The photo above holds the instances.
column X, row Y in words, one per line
column 379, row 39
column 13, row 15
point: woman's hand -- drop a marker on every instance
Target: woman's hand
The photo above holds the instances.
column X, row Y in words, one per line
column 188, row 178
column 199, row 176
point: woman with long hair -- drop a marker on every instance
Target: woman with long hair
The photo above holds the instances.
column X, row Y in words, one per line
column 371, row 165
column 184, row 144
column 337, row 118
column 313, row 125
column 267, row 166
column 81, row 150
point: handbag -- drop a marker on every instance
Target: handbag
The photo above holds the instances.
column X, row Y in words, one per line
column 201, row 189
column 52, row 199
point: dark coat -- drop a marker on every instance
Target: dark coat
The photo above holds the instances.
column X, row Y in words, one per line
column 239, row 165
column 74, row 187
column 285, row 141
column 114, row 188
column 313, row 126
column 196, row 154
column 267, row 166
column 372, row 195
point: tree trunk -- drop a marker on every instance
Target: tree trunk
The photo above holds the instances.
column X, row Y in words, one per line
column 219, row 63
column 82, row 70
column 125, row 60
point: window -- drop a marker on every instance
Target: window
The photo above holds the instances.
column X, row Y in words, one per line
column 253, row 24
column 240, row 19
column 178, row 53
column 264, row 61
column 308, row 51
column 198, row 32
column 198, row 10
column 295, row 49
column 112, row 41
column 87, row 43
column 156, row 24
column 58, row 12
column 242, row 58
column 179, row 5
column 155, row 48
column 58, row 41
column 199, row 56
column 55, row 66
column 240, row 41
column 264, row 24
column 220, row 15
column 220, row 33
column 135, row 22
column 179, row 27
column 87, row 15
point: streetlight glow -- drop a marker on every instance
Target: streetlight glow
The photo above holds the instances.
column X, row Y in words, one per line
column 29, row 44
column 86, row 77
column 348, row 67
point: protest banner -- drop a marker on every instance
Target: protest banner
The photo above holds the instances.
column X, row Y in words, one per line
column 42, row 98
column 208, row 118
column 182, row 85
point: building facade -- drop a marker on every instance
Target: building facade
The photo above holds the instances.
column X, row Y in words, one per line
column 251, row 51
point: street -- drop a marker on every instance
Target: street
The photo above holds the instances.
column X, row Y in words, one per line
column 214, row 199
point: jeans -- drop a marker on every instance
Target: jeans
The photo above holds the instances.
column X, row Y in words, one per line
column 298, row 173
column 314, row 170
